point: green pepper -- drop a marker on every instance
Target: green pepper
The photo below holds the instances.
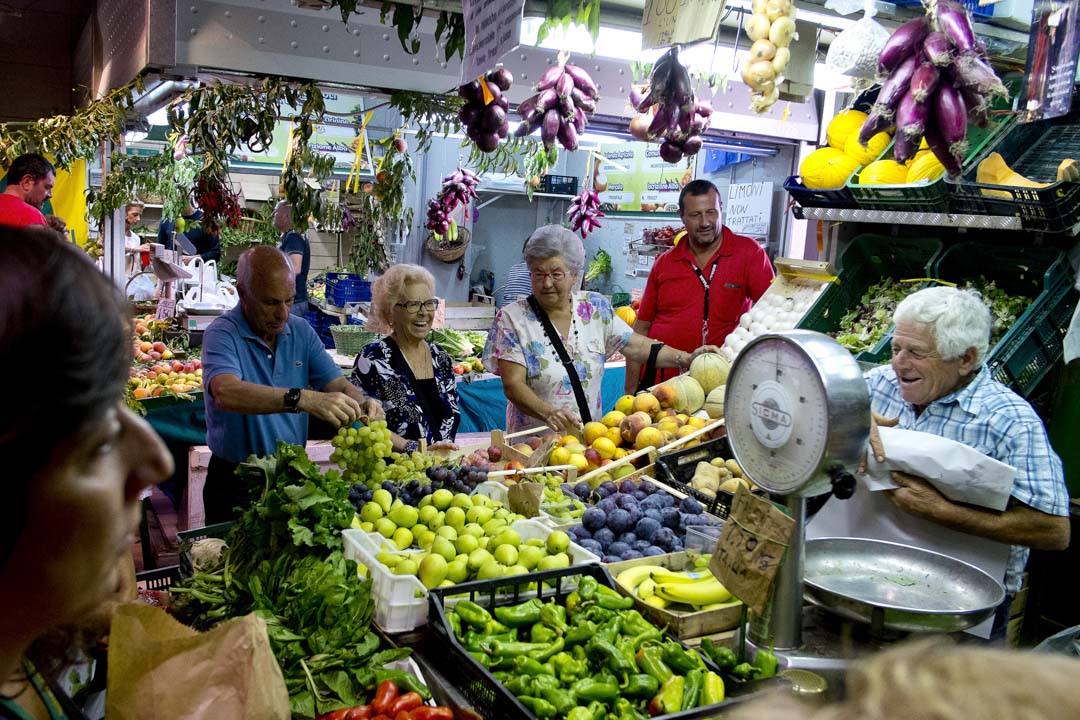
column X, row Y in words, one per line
column 574, row 604
column 650, row 661
column 743, row 671
column 679, row 660
column 549, row 650
column 594, row 711
column 504, row 648
column 482, row 643
column 599, row 615
column 587, row 588
column 579, row 653
column 539, row 707
column 611, row 599
column 650, row 635
column 542, row 682
column 563, row 700
column 542, row 634
column 455, row 623
column 712, row 692
column 695, row 681
column 502, row 676
column 406, row 682
column 640, row 685
column 723, row 656
column 613, row 659
column 594, row 690
column 766, row 663
column 634, row 623
column 625, row 710
column 567, row 668
column 514, row 616
column 669, row 699
column 554, row 617
column 580, row 633
column 524, row 665
column 494, row 627
column 472, row 614
column 625, row 645
column 518, row 684
column 610, row 629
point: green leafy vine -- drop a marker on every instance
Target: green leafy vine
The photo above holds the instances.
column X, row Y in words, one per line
column 431, row 114
column 562, row 14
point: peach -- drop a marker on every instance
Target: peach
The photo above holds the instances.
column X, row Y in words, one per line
column 649, row 436
column 646, row 403
column 625, row 404
column 593, row 457
column 145, row 347
column 523, row 448
column 159, row 346
column 665, row 395
column 633, row 424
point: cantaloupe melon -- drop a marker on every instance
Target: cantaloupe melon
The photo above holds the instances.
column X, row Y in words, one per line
column 710, row 370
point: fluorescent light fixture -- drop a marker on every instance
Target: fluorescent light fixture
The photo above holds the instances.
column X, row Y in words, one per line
column 134, row 136
column 161, row 115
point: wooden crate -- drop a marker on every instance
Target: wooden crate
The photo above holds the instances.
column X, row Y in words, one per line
column 681, row 624
column 469, row 316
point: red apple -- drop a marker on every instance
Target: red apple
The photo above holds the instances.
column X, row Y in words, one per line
column 494, row 453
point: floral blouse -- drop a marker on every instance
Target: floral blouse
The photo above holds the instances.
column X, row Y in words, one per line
column 518, row 336
column 382, row 373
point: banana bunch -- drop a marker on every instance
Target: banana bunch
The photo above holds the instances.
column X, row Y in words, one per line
column 662, row 587
column 771, row 28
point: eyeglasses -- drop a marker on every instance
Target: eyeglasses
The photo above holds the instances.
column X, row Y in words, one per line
column 414, row 306
column 556, row 276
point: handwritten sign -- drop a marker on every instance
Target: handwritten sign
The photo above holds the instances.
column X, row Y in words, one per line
column 166, row 308
column 492, row 29
column 670, row 22
column 750, row 548
column 1051, row 60
column 748, row 209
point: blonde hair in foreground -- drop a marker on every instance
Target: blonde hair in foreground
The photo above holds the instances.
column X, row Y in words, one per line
column 935, row 680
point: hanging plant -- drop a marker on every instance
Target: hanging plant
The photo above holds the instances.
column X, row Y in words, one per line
column 430, row 114
column 563, row 14
column 134, row 177
column 365, row 223
column 395, row 169
column 219, row 204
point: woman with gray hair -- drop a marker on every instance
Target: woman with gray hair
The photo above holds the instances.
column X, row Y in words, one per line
column 414, row 380
column 550, row 347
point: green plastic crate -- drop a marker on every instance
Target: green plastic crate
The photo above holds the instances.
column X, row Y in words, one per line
column 1030, row 348
column 868, row 259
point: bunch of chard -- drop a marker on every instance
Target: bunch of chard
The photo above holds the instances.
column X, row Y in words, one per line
column 484, row 114
column 667, row 110
column 936, row 80
column 565, row 97
column 459, row 187
column 584, row 213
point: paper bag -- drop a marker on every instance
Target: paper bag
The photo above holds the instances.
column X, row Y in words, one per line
column 160, row 669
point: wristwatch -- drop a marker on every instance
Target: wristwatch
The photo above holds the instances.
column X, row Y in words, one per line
column 292, row 400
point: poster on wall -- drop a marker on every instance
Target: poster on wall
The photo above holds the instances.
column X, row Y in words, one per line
column 635, row 179
column 1051, row 60
column 748, row 209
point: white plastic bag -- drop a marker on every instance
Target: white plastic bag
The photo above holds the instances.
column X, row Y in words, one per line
column 855, row 51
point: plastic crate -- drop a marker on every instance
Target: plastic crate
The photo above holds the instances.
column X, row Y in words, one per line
column 396, row 596
column 840, row 197
column 184, row 538
column 486, row 695
column 868, row 259
column 1033, row 150
column 559, row 184
column 158, row 579
column 1030, row 348
column 342, row 288
column 677, row 470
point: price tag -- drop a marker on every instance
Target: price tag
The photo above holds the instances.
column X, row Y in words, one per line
column 679, row 22
column 750, row 548
column 166, row 308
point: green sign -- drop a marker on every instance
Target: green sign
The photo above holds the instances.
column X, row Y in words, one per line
column 634, row 178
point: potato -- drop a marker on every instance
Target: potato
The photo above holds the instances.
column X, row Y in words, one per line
column 734, row 468
column 731, row 485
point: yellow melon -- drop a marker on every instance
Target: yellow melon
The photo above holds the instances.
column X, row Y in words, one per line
column 868, row 153
column 842, row 126
column 883, row 172
column 627, row 314
column 925, row 166
column 827, row 168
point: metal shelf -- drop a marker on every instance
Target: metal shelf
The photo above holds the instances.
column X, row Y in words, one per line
column 896, row 217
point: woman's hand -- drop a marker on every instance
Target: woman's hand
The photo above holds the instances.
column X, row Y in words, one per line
column 563, row 421
column 704, row 349
column 448, row 446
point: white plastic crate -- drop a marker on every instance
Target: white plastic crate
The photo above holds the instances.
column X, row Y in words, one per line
column 401, row 600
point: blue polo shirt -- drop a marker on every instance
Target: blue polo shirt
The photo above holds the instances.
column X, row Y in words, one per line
column 230, row 347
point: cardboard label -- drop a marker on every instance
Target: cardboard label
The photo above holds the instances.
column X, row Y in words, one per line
column 524, row 498
column 166, row 308
column 679, row 22
column 491, row 31
column 1051, row 60
column 750, row 548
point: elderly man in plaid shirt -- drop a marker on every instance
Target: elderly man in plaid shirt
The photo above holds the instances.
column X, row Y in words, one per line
column 937, row 383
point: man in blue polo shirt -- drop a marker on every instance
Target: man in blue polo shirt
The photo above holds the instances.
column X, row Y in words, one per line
column 265, row 371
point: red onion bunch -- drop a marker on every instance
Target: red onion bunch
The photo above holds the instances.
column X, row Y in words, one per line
column 667, row 110
column 584, row 213
column 485, row 118
column 459, row 187
column 565, row 97
column 936, row 80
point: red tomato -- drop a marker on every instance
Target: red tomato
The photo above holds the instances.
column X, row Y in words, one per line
column 426, row 712
column 405, row 703
column 385, row 695
column 360, row 712
column 342, row 714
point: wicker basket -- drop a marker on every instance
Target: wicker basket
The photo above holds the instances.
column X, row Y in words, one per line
column 249, row 225
column 450, row 254
column 350, row 340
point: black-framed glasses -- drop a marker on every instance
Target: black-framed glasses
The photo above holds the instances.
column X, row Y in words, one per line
column 413, row 306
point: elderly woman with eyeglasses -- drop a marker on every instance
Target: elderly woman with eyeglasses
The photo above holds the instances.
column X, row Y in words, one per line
column 521, row 350
column 413, row 380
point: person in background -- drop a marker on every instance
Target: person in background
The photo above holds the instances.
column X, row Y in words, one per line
column 298, row 250
column 265, row 370
column 938, row 383
column 518, row 283
column 30, row 181
column 133, row 244
column 519, row 349
column 77, row 461
column 206, row 239
column 697, row 290
column 414, row 380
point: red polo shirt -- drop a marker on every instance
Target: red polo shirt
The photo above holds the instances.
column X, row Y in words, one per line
column 674, row 299
column 16, row 213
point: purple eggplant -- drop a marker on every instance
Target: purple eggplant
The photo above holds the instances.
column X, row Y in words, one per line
column 953, row 20
column 903, row 148
column 564, row 85
column 973, row 72
column 493, row 118
column 703, row 108
column 523, row 129
column 550, row 77
column 527, row 105
column 950, row 116
column 647, row 102
column 659, row 122
column 579, row 120
column 583, row 81
column 548, row 100
column 692, row 145
column 503, row 130
column 549, row 129
column 566, row 106
column 902, row 43
column 898, row 83
column 487, row 141
column 501, row 77
column 471, row 91
column 670, row 151
column 469, row 113
column 942, row 151
column 978, row 107
column 911, row 118
column 924, row 81
column 582, row 100
column 568, row 136
column 635, row 97
column 686, row 115
column 879, row 120
column 938, row 49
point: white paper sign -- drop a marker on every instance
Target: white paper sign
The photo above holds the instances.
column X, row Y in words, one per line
column 492, row 29
column 679, row 22
column 748, row 209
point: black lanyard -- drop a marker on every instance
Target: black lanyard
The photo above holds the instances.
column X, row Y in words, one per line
column 705, row 284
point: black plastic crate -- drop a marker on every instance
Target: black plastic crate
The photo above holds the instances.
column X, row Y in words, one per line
column 677, row 470
column 558, row 184
column 158, row 579
column 840, row 197
column 487, row 696
column 185, row 538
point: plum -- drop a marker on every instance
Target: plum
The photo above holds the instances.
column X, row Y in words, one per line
column 568, row 490
column 652, row 551
column 664, row 539
column 627, row 486
column 604, row 536
column 594, row 519
column 632, row 555
column 646, row 527
column 635, row 515
column 607, row 504
column 625, row 501
column 640, row 495
column 611, row 559
column 607, row 488
column 652, row 501
column 691, row 506
column 583, row 490
column 618, row 548
column 669, row 518
column 694, row 520
column 627, row 537
column 640, row 545
column 655, row 514
column 648, row 487
column 618, row 521
column 592, row 546
column 666, row 501
column 578, row 532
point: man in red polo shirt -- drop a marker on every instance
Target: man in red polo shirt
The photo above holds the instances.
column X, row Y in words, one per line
column 29, row 184
column 697, row 290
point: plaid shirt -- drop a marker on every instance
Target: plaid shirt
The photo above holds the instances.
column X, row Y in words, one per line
column 997, row 422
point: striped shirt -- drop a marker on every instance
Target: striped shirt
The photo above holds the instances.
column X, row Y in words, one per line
column 997, row 422
column 518, row 283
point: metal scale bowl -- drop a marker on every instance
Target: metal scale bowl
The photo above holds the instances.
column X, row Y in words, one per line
column 797, row 412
